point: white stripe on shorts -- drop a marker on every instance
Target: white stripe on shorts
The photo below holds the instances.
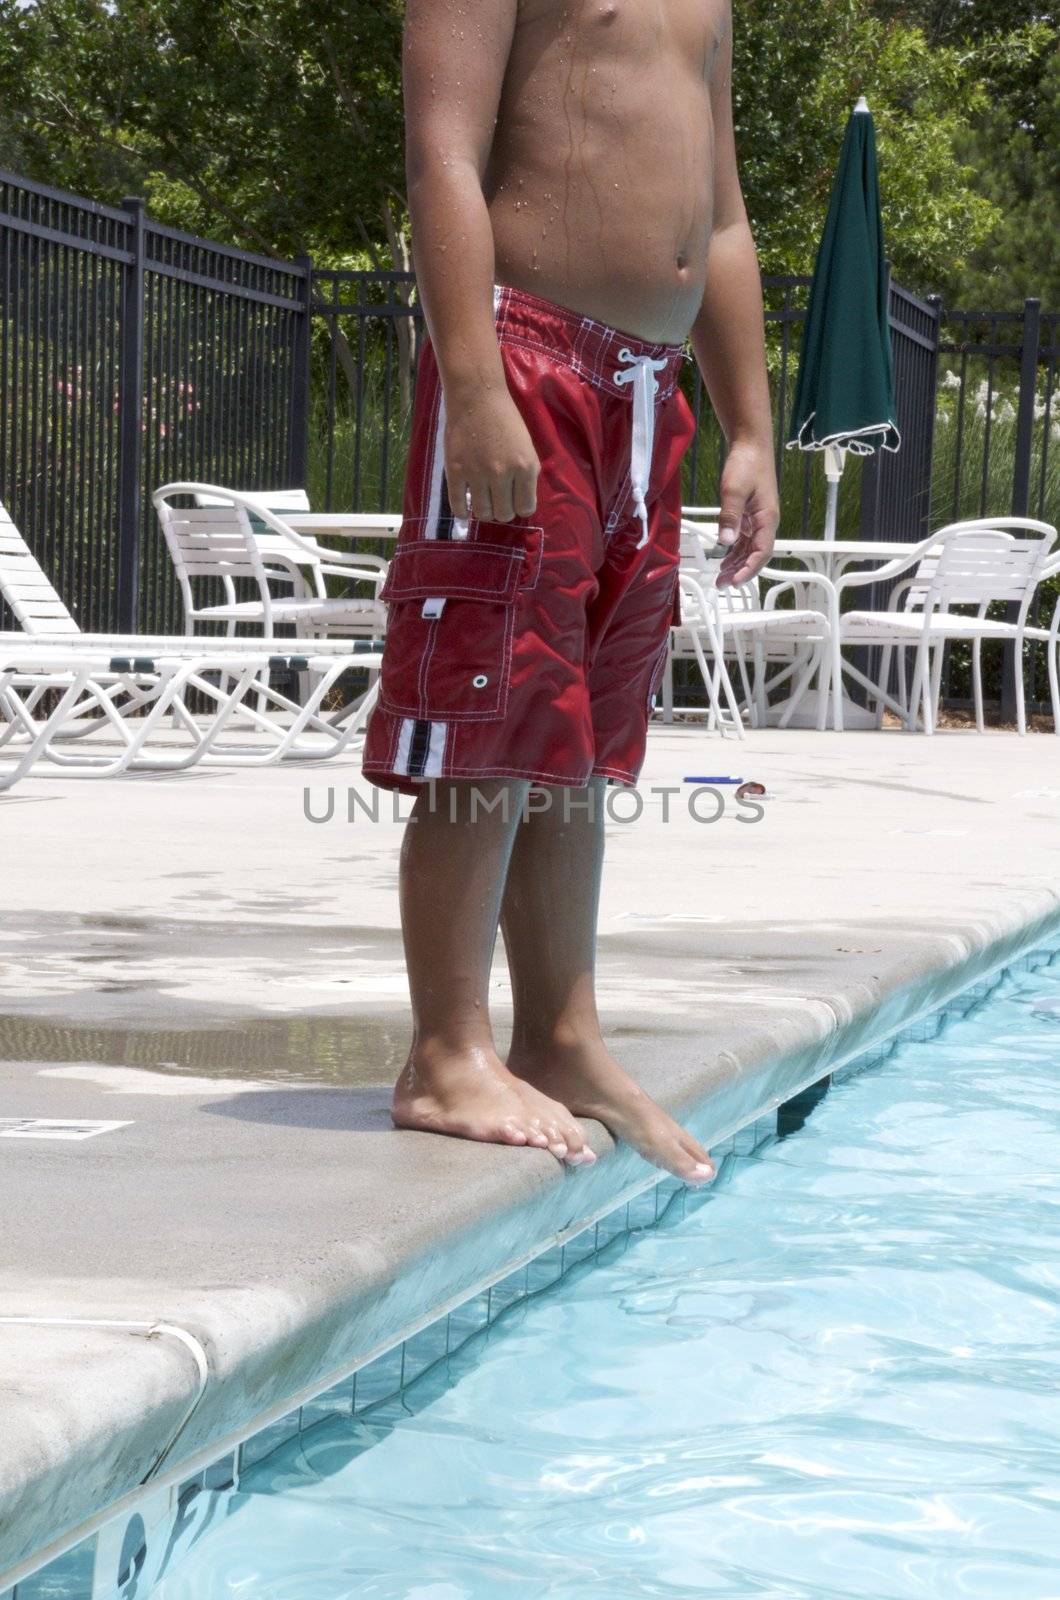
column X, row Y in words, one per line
column 432, row 767
column 401, row 759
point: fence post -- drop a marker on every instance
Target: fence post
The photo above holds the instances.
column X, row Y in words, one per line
column 298, row 456
column 130, row 431
column 1021, row 476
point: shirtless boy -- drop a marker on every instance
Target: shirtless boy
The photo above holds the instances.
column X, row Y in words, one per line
column 576, row 215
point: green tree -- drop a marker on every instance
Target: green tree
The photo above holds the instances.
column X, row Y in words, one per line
column 277, row 123
column 270, row 123
column 795, row 89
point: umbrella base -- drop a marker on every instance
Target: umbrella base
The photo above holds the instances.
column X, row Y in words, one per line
column 855, row 717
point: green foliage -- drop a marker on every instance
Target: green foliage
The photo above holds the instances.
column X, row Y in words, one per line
column 793, row 97
column 1019, row 167
column 276, row 124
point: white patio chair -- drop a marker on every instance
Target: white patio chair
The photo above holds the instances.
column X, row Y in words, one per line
column 1050, row 637
column 975, row 563
column 218, row 541
column 298, row 563
column 697, row 639
column 741, row 617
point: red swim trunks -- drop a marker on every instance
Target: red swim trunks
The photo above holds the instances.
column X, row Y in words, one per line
column 532, row 649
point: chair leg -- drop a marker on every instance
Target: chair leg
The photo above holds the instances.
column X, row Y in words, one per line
column 1021, row 698
column 717, row 682
column 885, row 677
column 936, row 680
column 761, row 715
column 977, row 685
column 668, row 686
column 745, row 682
column 919, row 690
column 1054, row 682
column 837, row 679
column 799, row 688
column 823, row 657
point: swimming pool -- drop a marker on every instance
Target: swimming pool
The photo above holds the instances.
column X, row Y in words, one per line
column 837, row 1375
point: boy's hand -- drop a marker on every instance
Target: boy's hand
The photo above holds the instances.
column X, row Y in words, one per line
column 489, row 458
column 750, row 512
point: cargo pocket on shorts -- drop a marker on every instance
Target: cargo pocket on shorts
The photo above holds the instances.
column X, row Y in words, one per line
column 451, row 622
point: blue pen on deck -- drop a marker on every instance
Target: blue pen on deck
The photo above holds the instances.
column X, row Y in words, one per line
column 711, row 780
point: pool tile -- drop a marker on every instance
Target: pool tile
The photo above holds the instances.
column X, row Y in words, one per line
column 611, row 1227
column 68, row 1577
column 468, row 1319
column 220, row 1474
column 642, row 1208
column 744, row 1140
column 506, row 1292
column 544, row 1270
column 423, row 1349
column 334, row 1402
column 379, row 1379
column 579, row 1248
column 263, row 1443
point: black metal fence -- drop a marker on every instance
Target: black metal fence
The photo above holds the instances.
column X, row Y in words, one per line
column 131, row 355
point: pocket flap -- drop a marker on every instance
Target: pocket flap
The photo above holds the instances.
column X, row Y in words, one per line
column 454, row 569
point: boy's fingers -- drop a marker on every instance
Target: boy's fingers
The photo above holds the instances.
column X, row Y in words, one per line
column 481, row 500
column 525, row 494
column 458, row 490
column 730, row 518
column 741, row 565
column 501, row 498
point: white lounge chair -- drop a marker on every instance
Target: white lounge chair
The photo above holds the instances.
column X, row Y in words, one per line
column 975, row 563
column 83, row 676
column 111, row 684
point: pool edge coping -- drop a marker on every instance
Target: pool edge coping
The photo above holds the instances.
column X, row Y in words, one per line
column 980, row 958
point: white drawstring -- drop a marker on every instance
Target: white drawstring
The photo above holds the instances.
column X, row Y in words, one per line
column 641, row 373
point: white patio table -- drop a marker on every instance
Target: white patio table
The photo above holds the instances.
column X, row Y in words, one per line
column 828, row 560
column 316, row 525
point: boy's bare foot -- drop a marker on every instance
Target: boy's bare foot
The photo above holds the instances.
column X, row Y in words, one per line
column 590, row 1083
column 470, row 1094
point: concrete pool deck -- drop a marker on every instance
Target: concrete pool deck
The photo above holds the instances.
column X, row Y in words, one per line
column 189, row 957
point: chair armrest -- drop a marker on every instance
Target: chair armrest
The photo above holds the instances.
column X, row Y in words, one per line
column 900, row 591
column 352, row 558
column 368, row 574
column 783, row 580
column 890, row 569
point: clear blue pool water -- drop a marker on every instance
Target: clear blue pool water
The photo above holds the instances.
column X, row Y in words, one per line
column 837, row 1377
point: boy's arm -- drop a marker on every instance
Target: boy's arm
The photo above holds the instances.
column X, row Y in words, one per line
column 729, row 342
column 455, row 56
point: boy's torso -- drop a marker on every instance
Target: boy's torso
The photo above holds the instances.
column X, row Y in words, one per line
column 601, row 177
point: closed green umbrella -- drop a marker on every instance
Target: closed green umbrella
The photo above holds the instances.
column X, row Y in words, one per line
column 844, row 398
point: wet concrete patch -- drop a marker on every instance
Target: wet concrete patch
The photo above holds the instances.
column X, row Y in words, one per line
column 185, row 975
column 293, row 1050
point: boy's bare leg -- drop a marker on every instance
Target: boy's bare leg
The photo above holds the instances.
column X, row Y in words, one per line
column 453, row 864
column 549, row 919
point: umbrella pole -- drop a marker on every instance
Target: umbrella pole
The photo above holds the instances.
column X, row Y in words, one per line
column 834, row 460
